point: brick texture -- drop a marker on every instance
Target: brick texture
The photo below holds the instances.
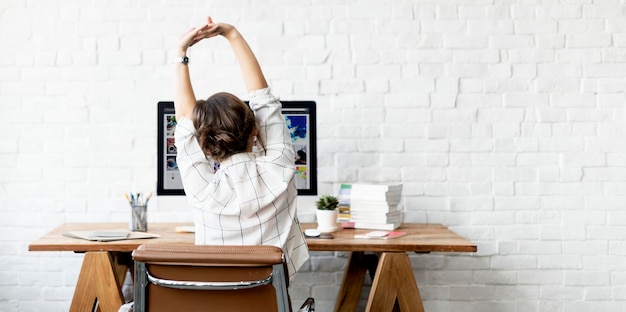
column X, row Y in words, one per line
column 505, row 121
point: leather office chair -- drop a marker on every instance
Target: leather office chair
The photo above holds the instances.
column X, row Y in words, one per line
column 185, row 277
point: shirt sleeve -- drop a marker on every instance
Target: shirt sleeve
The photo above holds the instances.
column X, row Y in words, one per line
column 273, row 132
column 195, row 168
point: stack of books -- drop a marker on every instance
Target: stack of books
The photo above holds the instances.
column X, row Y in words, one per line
column 370, row 206
column 343, row 210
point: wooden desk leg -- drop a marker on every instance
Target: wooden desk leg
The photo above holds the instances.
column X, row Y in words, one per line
column 98, row 281
column 120, row 264
column 394, row 280
column 353, row 278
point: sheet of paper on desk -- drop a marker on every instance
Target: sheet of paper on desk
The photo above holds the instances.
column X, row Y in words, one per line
column 185, row 229
column 388, row 235
column 109, row 235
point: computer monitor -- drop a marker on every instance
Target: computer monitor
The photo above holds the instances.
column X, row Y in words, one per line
column 300, row 117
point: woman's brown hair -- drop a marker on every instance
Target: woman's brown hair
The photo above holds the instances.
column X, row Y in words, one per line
column 224, row 125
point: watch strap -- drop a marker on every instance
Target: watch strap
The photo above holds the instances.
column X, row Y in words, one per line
column 181, row 59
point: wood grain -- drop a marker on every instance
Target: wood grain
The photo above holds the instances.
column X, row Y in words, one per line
column 394, row 282
column 353, row 279
column 55, row 241
column 394, row 286
column 419, row 238
column 97, row 281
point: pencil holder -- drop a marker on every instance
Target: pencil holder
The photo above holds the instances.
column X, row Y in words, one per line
column 139, row 219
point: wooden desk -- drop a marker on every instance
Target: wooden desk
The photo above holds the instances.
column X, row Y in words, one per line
column 105, row 263
column 394, row 286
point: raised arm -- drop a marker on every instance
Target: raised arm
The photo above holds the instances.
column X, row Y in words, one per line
column 250, row 68
column 184, row 97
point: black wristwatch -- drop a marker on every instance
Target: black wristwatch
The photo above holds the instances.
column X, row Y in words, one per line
column 181, row 59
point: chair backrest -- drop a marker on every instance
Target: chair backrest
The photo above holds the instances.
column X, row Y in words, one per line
column 185, row 277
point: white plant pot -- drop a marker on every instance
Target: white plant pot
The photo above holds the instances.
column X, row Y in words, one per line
column 327, row 221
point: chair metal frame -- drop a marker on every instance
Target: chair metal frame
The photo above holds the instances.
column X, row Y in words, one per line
column 277, row 278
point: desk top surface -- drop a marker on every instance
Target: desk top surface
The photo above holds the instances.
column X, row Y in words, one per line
column 419, row 238
column 55, row 241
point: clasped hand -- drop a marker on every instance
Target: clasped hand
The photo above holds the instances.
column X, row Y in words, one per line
column 208, row 30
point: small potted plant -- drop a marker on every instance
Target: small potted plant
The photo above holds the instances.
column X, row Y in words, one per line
column 327, row 213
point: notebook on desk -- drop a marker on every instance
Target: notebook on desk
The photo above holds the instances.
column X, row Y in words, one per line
column 109, row 235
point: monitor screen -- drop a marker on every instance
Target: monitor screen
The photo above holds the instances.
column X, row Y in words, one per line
column 300, row 117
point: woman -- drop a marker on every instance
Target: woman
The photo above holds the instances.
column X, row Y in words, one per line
column 251, row 198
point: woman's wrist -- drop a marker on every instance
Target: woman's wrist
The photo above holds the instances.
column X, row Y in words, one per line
column 232, row 34
column 180, row 53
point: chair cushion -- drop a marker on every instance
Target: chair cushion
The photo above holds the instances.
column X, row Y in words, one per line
column 209, row 255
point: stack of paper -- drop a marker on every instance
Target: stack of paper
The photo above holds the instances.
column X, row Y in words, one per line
column 373, row 206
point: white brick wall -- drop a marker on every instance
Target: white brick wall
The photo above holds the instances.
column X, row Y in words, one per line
column 505, row 121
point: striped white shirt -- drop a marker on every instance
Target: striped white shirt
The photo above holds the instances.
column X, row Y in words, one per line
column 251, row 198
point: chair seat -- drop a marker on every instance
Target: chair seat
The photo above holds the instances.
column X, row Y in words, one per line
column 187, row 277
column 209, row 255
